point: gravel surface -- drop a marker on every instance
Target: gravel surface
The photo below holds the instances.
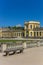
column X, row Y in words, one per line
column 30, row 56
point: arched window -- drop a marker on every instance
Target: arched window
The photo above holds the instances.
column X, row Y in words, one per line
column 37, row 33
column 40, row 33
column 27, row 33
column 30, row 33
column 34, row 34
column 31, row 26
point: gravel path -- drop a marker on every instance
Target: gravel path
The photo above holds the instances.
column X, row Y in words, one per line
column 30, row 56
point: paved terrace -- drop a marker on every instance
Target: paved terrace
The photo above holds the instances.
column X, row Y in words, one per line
column 31, row 56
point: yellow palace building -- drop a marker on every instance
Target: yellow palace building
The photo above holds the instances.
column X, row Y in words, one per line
column 11, row 33
column 33, row 29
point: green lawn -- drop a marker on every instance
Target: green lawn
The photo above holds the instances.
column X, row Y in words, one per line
column 9, row 40
column 15, row 41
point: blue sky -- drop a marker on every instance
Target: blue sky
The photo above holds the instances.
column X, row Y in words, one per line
column 13, row 12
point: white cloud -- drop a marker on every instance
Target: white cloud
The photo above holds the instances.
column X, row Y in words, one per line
column 19, row 25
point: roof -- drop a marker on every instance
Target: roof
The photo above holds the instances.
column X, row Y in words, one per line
column 37, row 22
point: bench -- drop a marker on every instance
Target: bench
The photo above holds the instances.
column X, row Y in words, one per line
column 13, row 50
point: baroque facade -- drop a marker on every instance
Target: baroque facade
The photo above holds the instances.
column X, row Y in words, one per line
column 31, row 29
column 11, row 33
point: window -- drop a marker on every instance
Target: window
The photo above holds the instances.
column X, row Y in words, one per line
column 34, row 34
column 37, row 33
column 31, row 26
column 19, row 34
column 23, row 34
column 40, row 33
column 27, row 32
column 31, row 33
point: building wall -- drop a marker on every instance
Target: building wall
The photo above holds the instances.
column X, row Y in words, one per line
column 31, row 23
column 27, row 32
column 0, row 32
column 17, row 34
column 29, row 26
column 5, row 33
column 38, row 33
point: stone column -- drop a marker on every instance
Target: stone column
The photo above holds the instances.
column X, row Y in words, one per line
column 4, row 46
column 24, row 45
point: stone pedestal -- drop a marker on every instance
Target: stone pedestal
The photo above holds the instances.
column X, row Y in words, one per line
column 4, row 46
column 24, row 45
column 38, row 44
